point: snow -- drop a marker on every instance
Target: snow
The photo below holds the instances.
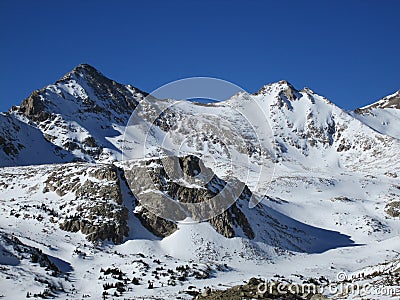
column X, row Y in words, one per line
column 384, row 121
column 324, row 207
column 306, row 199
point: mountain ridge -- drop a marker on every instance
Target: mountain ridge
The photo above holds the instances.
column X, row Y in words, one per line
column 90, row 112
column 382, row 115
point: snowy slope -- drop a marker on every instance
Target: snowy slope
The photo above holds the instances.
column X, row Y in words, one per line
column 316, row 134
column 383, row 115
column 281, row 124
column 313, row 207
column 22, row 144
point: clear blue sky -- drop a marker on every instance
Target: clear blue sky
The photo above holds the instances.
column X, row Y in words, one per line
column 346, row 50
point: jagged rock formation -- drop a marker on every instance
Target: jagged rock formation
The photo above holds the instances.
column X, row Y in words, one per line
column 393, row 209
column 167, row 187
column 98, row 205
column 160, row 227
column 163, row 177
column 34, row 108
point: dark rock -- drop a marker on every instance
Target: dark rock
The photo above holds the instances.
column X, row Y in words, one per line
column 165, row 174
column 90, row 142
column 393, row 209
column 158, row 226
column 34, row 108
column 102, row 215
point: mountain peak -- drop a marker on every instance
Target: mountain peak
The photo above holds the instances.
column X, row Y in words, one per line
column 83, row 70
column 81, row 91
column 284, row 82
column 86, row 68
column 282, row 86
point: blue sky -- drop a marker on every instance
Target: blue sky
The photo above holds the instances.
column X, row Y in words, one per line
column 347, row 51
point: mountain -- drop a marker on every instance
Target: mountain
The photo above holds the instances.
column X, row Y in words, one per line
column 83, row 115
column 106, row 191
column 383, row 115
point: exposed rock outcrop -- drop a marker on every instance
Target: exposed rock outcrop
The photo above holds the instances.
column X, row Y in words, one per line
column 166, row 175
column 99, row 210
column 158, row 226
column 34, row 107
column 393, row 209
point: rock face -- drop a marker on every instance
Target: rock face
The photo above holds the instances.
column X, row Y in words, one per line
column 158, row 226
column 393, row 209
column 34, row 107
column 226, row 222
column 98, row 208
column 164, row 179
column 9, row 144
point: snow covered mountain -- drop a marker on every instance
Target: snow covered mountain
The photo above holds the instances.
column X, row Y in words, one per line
column 74, row 189
column 82, row 116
